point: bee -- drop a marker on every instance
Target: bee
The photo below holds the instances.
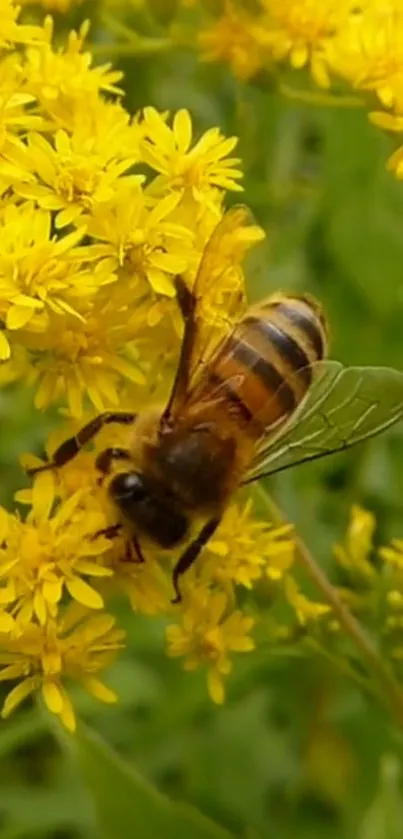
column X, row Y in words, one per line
column 251, row 398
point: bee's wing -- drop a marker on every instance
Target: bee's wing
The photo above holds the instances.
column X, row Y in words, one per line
column 344, row 406
column 218, row 299
column 219, row 284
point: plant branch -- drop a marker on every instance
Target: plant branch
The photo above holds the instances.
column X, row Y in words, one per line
column 391, row 690
column 313, row 97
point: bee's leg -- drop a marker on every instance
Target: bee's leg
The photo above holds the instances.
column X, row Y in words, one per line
column 70, row 448
column 131, row 544
column 190, row 554
column 186, row 300
column 140, row 558
column 187, row 304
column 106, row 458
column 109, row 532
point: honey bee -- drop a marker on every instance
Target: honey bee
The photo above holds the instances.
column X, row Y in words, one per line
column 249, row 399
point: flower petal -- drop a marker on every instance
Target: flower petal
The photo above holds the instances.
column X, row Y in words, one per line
column 53, row 697
column 215, row 686
column 5, row 351
column 18, row 694
column 7, row 623
column 99, row 690
column 84, row 593
column 67, row 715
column 18, row 316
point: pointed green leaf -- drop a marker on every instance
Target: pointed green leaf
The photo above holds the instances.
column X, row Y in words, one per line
column 127, row 804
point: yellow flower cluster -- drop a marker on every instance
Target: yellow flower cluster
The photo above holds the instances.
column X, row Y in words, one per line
column 89, row 244
column 99, row 210
column 372, row 582
column 59, row 567
column 358, row 43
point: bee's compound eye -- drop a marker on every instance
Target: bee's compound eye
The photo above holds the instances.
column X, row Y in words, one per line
column 128, row 485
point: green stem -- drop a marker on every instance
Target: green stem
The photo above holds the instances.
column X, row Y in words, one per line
column 129, row 41
column 313, row 97
column 120, row 29
column 391, row 690
column 144, row 46
column 341, row 664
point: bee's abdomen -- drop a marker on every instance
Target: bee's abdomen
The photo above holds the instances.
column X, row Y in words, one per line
column 265, row 365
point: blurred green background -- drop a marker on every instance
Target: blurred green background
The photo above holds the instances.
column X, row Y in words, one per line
column 297, row 752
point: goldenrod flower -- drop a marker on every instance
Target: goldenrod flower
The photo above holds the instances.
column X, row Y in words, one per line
column 245, row 548
column 207, row 634
column 142, row 236
column 368, row 51
column 51, row 552
column 62, row 79
column 77, row 646
column 302, row 29
column 16, row 104
column 305, row 609
column 354, row 555
column 75, row 172
column 393, row 555
column 12, row 32
column 184, row 168
column 88, row 355
column 77, row 475
column 237, row 38
column 37, row 282
column 147, row 585
column 63, row 555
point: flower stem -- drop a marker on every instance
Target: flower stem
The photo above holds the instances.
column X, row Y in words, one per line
column 129, row 41
column 391, row 692
column 144, row 46
column 313, row 97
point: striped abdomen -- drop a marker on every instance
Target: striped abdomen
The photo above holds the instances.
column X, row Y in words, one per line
column 264, row 368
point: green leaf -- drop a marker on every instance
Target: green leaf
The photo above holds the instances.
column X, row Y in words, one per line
column 362, row 210
column 128, row 805
column 383, row 819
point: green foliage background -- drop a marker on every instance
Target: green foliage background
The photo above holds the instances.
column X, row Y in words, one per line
column 297, row 752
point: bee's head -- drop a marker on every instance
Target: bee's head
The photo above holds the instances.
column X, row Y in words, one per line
column 148, row 511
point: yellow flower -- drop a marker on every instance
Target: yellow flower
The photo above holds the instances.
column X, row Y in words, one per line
column 391, row 122
column 354, row 555
column 38, row 278
column 52, row 552
column 302, row 29
column 244, row 548
column 141, row 236
column 73, row 173
column 76, row 476
column 64, row 78
column 40, row 657
column 185, row 169
column 147, row 585
column 207, row 634
column 368, row 51
column 88, row 356
column 393, row 555
column 238, row 39
column 11, row 31
column 16, row 104
column 42, row 282
column 306, row 610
